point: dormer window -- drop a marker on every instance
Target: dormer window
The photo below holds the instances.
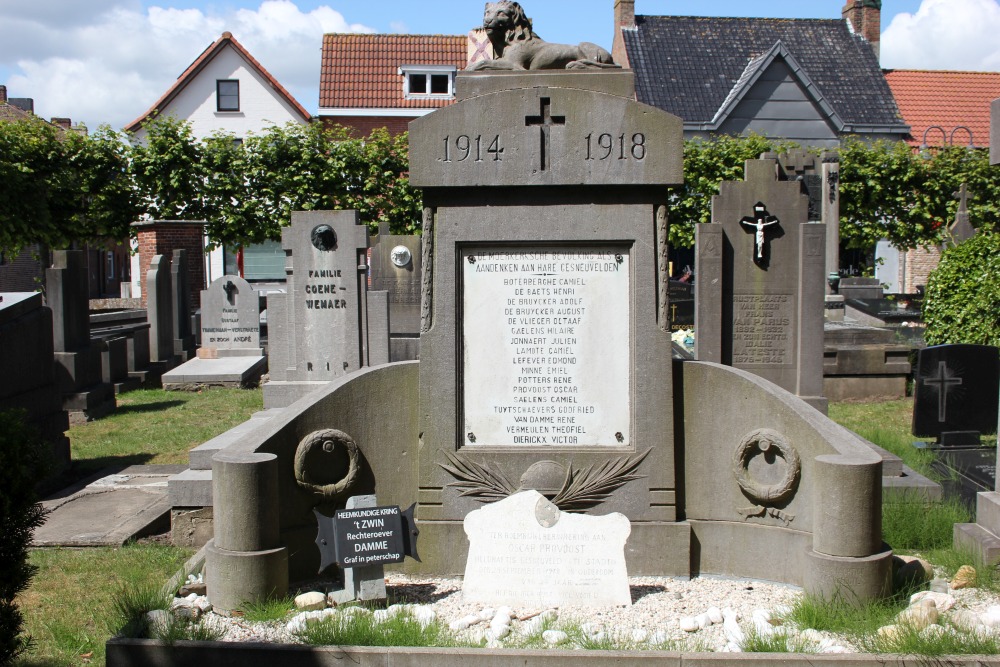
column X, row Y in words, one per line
column 428, row 82
column 227, row 95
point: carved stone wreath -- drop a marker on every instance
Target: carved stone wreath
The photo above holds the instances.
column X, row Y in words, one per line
column 329, row 440
column 762, row 440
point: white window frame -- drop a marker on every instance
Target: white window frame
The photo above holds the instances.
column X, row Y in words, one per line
column 428, row 70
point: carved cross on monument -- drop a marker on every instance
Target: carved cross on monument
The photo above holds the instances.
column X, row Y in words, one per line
column 544, row 121
column 943, row 381
column 231, row 292
column 758, row 222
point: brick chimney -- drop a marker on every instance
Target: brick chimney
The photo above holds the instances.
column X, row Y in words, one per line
column 865, row 19
column 64, row 123
column 624, row 18
column 3, row 94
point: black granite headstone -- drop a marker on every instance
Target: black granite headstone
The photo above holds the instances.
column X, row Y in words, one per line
column 681, row 305
column 956, row 389
column 966, row 472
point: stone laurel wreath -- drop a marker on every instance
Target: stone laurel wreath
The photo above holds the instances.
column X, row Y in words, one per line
column 762, row 440
column 581, row 489
column 329, row 440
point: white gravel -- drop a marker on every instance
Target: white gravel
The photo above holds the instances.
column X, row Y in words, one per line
column 660, row 605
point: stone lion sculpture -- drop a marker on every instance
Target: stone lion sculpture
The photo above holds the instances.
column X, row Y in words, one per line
column 517, row 47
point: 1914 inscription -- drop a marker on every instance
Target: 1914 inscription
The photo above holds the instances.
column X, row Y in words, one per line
column 762, row 329
column 546, row 347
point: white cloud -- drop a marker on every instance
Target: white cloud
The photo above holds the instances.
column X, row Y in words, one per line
column 111, row 67
column 945, row 34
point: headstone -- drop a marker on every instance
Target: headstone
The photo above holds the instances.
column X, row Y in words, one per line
column 860, row 288
column 681, row 305
column 26, row 364
column 525, row 553
column 160, row 312
column 546, row 307
column 184, row 340
column 956, row 389
column 319, row 330
column 759, row 293
column 395, row 264
column 78, row 363
column 230, row 319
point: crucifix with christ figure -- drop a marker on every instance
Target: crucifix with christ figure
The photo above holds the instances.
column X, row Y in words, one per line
column 544, row 121
column 761, row 219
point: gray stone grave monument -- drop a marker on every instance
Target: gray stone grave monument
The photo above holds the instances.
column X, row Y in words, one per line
column 184, row 339
column 759, row 293
column 230, row 354
column 26, row 364
column 327, row 324
column 395, row 264
column 545, row 366
column 78, row 363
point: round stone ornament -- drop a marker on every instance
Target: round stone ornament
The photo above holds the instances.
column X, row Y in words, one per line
column 401, row 256
column 326, row 448
column 769, row 445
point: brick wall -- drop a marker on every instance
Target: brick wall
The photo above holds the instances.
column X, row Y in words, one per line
column 919, row 264
column 22, row 273
column 362, row 126
column 162, row 237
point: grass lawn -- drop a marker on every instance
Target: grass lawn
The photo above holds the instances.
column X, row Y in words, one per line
column 68, row 607
column 157, row 427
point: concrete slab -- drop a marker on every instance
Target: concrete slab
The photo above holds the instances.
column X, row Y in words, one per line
column 191, row 488
column 200, row 457
column 223, row 372
column 109, row 509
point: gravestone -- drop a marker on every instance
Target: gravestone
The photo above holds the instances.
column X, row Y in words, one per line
column 961, row 229
column 323, row 327
column 396, row 265
column 230, row 319
column 545, row 255
column 78, row 363
column 956, row 390
column 681, row 305
column 525, row 553
column 759, row 293
column 26, row 364
column 184, row 339
column 159, row 312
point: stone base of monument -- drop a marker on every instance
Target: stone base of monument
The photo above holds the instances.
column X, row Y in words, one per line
column 281, row 394
column 983, row 537
column 225, row 372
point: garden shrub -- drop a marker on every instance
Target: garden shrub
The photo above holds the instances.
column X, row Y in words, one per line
column 962, row 302
column 23, row 462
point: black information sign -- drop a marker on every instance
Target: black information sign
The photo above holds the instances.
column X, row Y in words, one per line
column 366, row 536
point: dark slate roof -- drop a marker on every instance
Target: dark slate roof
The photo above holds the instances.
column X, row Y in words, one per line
column 689, row 65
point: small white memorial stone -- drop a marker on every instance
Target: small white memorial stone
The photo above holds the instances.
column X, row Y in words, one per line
column 524, row 552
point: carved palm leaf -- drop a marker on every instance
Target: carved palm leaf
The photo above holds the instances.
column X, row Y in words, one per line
column 585, row 488
column 478, row 481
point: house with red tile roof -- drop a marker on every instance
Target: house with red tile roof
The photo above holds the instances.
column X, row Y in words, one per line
column 372, row 81
column 225, row 89
column 942, row 108
column 945, row 107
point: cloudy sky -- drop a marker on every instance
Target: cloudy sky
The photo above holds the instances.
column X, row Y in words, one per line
column 107, row 61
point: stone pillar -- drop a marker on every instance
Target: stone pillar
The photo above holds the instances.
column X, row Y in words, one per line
column 162, row 237
column 180, row 306
column 158, row 311
column 245, row 561
column 831, row 214
column 809, row 383
column 848, row 553
column 709, row 244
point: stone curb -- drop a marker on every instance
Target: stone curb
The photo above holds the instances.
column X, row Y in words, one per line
column 144, row 652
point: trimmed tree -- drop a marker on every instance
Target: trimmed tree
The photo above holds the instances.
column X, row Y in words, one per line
column 962, row 302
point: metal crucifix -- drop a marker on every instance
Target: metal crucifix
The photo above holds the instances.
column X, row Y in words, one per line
column 231, row 291
column 761, row 219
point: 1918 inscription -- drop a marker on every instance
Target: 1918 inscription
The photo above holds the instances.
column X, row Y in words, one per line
column 546, row 340
column 762, row 329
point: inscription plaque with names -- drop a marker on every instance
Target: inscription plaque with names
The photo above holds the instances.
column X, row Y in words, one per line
column 763, row 332
column 546, row 347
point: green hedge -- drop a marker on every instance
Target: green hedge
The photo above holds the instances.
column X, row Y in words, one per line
column 962, row 303
column 23, row 459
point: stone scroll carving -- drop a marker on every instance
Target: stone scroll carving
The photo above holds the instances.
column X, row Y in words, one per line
column 581, row 488
column 326, row 448
column 517, row 47
column 767, row 443
column 427, row 278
